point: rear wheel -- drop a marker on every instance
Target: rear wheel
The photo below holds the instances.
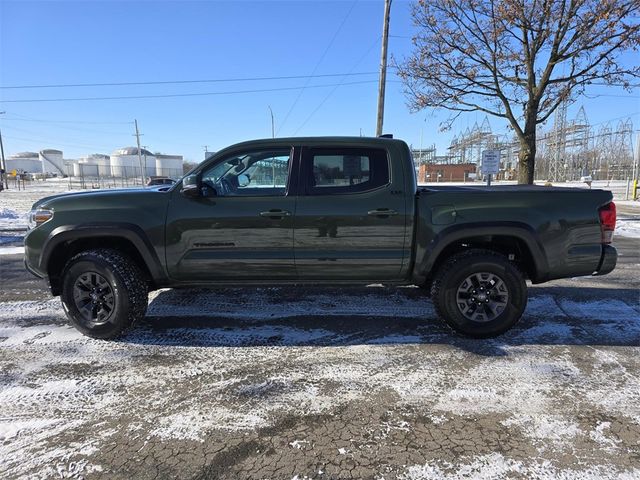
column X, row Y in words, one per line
column 103, row 293
column 479, row 293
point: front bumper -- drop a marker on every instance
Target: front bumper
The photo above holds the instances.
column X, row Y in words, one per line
column 33, row 241
column 607, row 260
column 32, row 271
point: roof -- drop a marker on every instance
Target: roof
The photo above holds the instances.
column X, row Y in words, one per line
column 24, row 155
column 51, row 150
column 131, row 151
column 322, row 139
column 318, row 141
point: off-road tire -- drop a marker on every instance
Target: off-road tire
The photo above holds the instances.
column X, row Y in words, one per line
column 459, row 267
column 128, row 294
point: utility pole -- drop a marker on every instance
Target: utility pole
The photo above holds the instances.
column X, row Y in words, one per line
column 3, row 165
column 273, row 130
column 137, row 135
column 636, row 158
column 383, row 66
column 145, row 159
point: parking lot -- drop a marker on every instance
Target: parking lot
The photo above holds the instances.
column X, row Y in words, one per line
column 316, row 383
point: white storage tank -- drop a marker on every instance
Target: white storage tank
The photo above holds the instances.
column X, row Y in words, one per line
column 169, row 166
column 52, row 161
column 125, row 162
column 82, row 168
column 28, row 162
column 101, row 162
column 149, row 161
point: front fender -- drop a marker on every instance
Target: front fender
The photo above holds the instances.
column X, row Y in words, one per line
column 128, row 231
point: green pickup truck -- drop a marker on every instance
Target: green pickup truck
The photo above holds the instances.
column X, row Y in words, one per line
column 317, row 211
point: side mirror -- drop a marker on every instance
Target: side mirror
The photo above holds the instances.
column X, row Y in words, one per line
column 243, row 180
column 191, row 186
column 190, row 190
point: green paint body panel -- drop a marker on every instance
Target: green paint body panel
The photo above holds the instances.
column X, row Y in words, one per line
column 326, row 238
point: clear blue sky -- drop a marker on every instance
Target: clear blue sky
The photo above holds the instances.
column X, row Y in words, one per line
column 59, row 42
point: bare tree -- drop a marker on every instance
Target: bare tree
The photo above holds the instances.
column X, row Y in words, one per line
column 518, row 59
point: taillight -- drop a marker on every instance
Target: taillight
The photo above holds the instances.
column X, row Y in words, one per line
column 607, row 221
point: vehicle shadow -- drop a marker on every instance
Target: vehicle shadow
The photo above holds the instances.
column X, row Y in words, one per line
column 300, row 317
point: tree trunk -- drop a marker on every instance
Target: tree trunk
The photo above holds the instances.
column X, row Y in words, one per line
column 527, row 155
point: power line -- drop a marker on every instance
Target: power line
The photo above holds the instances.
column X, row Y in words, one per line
column 56, row 143
column 66, row 127
column 336, row 87
column 176, row 82
column 172, row 95
column 632, row 114
column 324, row 54
column 24, row 118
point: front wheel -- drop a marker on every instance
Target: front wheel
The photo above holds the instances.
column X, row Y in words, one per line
column 103, row 293
column 479, row 293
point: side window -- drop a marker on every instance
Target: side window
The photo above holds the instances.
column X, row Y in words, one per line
column 345, row 170
column 251, row 174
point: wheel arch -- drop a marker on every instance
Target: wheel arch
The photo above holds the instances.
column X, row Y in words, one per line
column 66, row 241
column 516, row 241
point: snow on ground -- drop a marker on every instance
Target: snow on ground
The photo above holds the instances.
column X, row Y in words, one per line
column 11, row 220
column 20, row 201
column 11, row 250
column 255, row 358
column 496, row 466
column 628, row 227
column 632, row 204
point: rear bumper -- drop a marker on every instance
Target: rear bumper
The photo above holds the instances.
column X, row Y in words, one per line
column 607, row 260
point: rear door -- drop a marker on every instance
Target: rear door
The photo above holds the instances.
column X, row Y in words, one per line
column 245, row 232
column 350, row 215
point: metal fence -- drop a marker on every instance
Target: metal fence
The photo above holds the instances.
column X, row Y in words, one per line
column 88, row 176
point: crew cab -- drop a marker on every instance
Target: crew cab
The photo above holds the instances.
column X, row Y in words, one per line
column 319, row 211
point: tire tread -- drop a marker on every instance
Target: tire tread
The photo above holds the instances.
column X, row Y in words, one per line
column 133, row 278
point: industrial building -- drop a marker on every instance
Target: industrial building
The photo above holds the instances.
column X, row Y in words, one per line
column 446, row 172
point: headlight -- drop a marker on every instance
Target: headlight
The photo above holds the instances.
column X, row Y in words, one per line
column 39, row 216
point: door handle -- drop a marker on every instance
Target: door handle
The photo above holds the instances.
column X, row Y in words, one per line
column 275, row 213
column 382, row 212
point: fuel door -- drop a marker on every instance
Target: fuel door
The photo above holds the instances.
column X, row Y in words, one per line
column 443, row 214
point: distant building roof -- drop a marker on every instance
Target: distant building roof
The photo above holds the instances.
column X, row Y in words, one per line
column 50, row 150
column 131, row 151
column 164, row 155
column 24, row 155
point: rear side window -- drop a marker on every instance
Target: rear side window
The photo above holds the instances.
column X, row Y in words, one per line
column 345, row 170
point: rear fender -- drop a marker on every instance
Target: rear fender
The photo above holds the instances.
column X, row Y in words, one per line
column 457, row 233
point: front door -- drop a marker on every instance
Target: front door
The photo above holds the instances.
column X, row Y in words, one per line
column 350, row 216
column 242, row 226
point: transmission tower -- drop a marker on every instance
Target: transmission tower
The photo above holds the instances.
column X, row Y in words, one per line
column 557, row 171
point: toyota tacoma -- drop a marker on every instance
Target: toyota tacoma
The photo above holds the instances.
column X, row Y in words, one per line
column 317, row 211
